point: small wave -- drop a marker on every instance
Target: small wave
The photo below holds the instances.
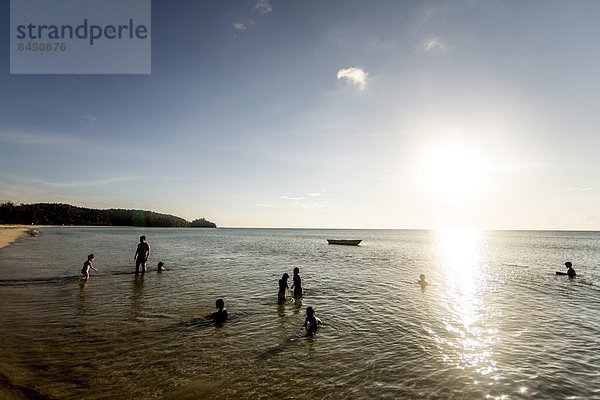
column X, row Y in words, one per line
column 61, row 280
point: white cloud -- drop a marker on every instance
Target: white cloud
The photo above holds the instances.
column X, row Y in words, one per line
column 239, row 26
column 314, row 194
column 264, row 205
column 263, row 6
column 355, row 76
column 433, row 44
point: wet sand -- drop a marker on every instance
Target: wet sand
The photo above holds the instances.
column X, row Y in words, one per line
column 10, row 233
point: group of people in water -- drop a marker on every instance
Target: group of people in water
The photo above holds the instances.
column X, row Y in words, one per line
column 311, row 323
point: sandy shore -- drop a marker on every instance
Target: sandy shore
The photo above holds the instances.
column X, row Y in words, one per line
column 10, row 233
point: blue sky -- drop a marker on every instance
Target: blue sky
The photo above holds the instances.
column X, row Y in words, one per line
column 383, row 114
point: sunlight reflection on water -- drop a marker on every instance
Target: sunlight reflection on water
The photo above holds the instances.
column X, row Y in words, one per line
column 470, row 336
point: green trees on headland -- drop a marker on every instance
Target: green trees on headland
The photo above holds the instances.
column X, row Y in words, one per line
column 65, row 214
column 202, row 223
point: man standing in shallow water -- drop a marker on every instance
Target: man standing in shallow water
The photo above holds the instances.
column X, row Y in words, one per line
column 141, row 255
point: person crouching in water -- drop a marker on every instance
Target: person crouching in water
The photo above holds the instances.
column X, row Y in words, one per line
column 160, row 267
column 311, row 323
column 221, row 314
column 85, row 270
column 283, row 287
column 297, row 285
column 570, row 271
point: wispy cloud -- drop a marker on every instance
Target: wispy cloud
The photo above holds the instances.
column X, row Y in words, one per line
column 239, row 26
column 321, row 204
column 264, row 205
column 88, row 120
column 263, row 7
column 585, row 189
column 30, row 138
column 314, row 194
column 355, row 76
column 98, row 182
column 293, row 198
column 432, row 45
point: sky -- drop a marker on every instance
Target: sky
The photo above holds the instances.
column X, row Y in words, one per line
column 326, row 114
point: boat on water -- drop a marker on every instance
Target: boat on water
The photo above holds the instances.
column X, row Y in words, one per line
column 347, row 242
column 32, row 232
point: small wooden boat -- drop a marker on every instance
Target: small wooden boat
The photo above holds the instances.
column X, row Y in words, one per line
column 32, row 232
column 346, row 242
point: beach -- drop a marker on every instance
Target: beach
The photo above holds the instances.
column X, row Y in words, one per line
column 10, row 233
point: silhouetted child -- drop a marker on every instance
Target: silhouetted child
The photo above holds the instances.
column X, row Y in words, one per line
column 311, row 323
column 422, row 281
column 283, row 286
column 221, row 314
column 160, row 267
column 297, row 285
column 570, row 271
column 85, row 270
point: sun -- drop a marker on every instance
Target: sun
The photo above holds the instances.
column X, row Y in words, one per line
column 454, row 173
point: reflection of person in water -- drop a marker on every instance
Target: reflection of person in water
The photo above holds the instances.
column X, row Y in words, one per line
column 221, row 314
column 311, row 323
column 297, row 285
column 85, row 270
column 141, row 255
column 570, row 271
column 422, row 281
column 283, row 287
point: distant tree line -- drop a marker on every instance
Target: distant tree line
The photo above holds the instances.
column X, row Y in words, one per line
column 65, row 214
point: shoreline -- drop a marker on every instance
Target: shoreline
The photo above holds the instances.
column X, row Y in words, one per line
column 10, row 233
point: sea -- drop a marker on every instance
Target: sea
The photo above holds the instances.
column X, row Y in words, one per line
column 493, row 322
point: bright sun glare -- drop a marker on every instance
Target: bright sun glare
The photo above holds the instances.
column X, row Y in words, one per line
column 454, row 173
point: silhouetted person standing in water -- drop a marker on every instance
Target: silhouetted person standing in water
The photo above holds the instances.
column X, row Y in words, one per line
column 141, row 255
column 85, row 270
column 283, row 287
column 297, row 285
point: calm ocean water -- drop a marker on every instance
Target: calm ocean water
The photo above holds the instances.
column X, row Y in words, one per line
column 494, row 322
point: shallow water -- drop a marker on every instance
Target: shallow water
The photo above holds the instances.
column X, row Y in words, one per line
column 494, row 321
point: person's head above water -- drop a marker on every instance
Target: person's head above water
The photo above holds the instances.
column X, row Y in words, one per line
column 220, row 303
column 160, row 264
column 296, row 271
column 568, row 264
column 422, row 277
column 91, row 257
column 285, row 276
column 142, row 239
column 310, row 311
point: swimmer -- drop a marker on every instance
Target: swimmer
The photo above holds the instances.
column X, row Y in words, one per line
column 422, row 281
column 297, row 285
column 85, row 270
column 283, row 287
column 221, row 314
column 160, row 267
column 311, row 323
column 570, row 271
